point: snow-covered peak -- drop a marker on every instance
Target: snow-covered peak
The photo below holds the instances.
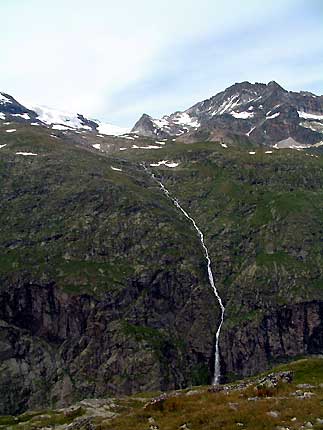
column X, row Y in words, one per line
column 64, row 120
column 53, row 117
column 57, row 119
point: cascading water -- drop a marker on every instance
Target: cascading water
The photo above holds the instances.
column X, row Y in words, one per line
column 217, row 368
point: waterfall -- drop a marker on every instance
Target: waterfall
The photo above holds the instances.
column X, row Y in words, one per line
column 217, row 368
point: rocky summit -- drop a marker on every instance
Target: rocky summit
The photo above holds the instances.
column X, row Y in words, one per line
column 117, row 251
column 265, row 114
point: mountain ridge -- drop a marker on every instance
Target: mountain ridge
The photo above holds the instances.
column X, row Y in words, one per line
column 265, row 113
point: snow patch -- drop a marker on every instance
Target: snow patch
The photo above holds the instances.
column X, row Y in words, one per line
column 313, row 125
column 160, row 123
column 123, row 149
column 146, row 147
column 2, row 115
column 25, row 153
column 250, row 131
column 12, row 130
column 242, row 115
column 268, row 152
column 2, row 146
column 275, row 115
column 227, row 105
column 318, row 144
column 185, row 119
column 128, row 137
column 35, row 123
column 309, row 115
column 60, row 127
column 165, row 163
column 116, row 169
column 252, row 152
column 96, row 146
column 22, row 115
column 224, row 145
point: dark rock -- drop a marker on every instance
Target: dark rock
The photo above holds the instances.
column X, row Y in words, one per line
column 265, row 114
column 289, row 331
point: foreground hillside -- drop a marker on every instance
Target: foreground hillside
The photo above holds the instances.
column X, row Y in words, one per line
column 289, row 398
column 103, row 283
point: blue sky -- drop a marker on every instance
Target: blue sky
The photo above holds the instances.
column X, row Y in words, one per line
column 114, row 60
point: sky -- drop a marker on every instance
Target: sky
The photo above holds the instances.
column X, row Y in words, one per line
column 114, row 60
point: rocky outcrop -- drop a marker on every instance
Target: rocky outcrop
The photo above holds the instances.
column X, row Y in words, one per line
column 287, row 332
column 15, row 110
column 56, row 348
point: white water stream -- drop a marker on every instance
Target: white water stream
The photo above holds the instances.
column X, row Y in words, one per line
column 217, row 368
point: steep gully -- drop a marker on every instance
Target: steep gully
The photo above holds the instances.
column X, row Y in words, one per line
column 217, row 367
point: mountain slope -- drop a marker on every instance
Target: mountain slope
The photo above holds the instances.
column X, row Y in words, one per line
column 89, row 304
column 266, row 114
column 103, row 283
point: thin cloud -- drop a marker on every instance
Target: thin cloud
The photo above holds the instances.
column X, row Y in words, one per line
column 116, row 60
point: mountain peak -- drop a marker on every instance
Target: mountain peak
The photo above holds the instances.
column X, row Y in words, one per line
column 264, row 113
column 11, row 109
column 275, row 85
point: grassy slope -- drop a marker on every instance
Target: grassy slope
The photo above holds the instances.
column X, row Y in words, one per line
column 262, row 216
column 206, row 410
column 200, row 409
column 66, row 215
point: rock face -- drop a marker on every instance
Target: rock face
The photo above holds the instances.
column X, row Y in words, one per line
column 266, row 114
column 56, row 348
column 11, row 109
column 289, row 331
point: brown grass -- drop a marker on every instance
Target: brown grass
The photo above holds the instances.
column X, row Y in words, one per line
column 214, row 411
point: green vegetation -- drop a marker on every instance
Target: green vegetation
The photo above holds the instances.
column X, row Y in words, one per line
column 40, row 419
column 248, row 404
column 117, row 251
column 253, row 407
